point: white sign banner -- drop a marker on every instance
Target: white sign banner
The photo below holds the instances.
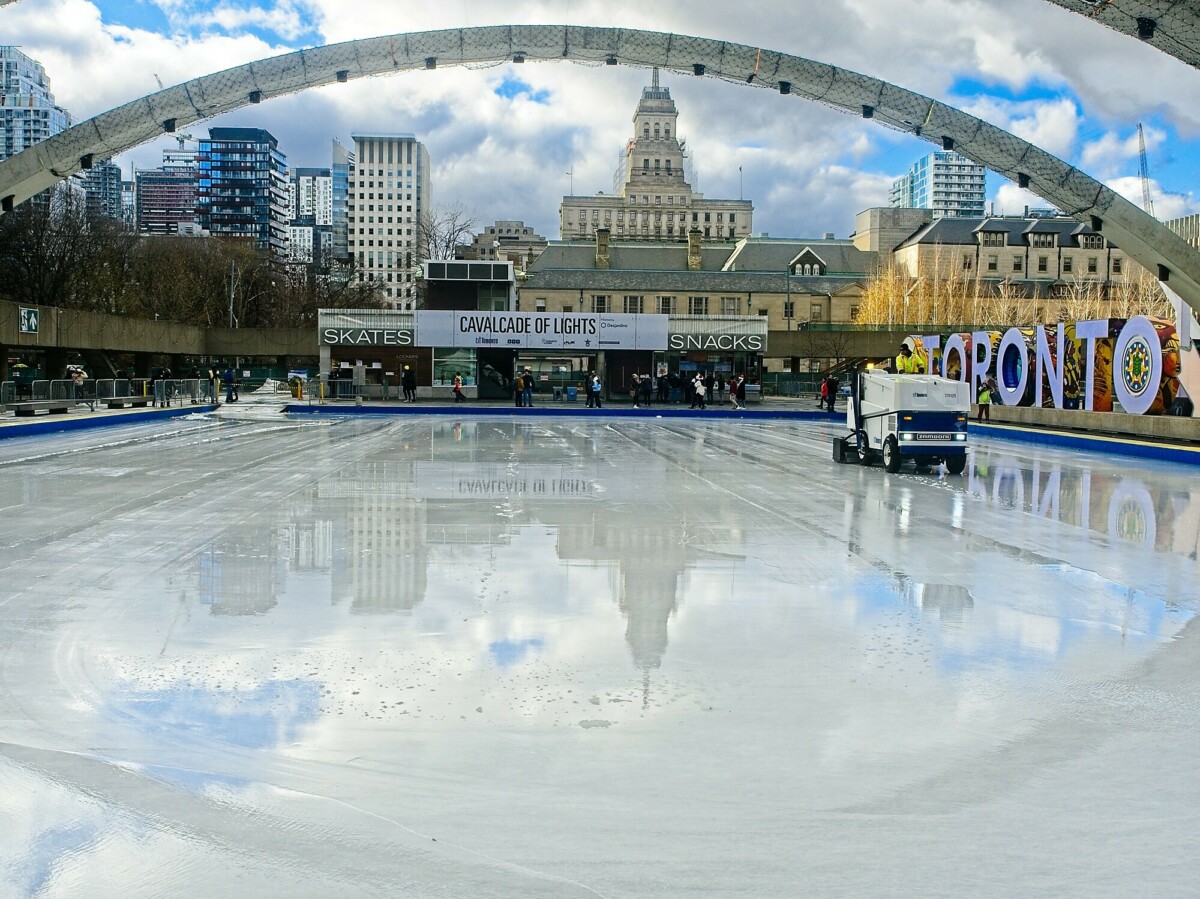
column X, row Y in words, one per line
column 586, row 332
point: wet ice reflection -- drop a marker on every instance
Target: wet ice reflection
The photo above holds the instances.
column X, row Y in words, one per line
column 430, row 595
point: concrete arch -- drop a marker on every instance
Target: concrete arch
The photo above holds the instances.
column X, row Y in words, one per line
column 127, row 126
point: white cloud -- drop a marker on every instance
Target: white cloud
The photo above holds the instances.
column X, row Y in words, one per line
column 1166, row 205
column 805, row 167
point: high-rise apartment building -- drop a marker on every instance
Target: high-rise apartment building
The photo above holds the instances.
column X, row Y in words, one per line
column 341, row 163
column 313, row 190
column 165, row 198
column 102, row 187
column 241, row 188
column 389, row 194
column 946, row 182
column 652, row 199
column 28, row 113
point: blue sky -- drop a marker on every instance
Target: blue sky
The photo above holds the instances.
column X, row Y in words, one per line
column 503, row 139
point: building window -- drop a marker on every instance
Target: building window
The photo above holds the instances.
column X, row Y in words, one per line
column 789, row 308
column 730, row 306
column 1018, row 263
column 1043, row 263
column 968, row 262
column 993, row 263
column 762, row 313
column 1091, row 241
column 1041, row 240
column 633, row 305
column 540, row 303
column 1116, row 265
column 666, row 305
column 1068, row 264
column 816, row 312
column 600, row 303
column 697, row 305
column 853, row 313
column 1093, row 265
column 993, row 238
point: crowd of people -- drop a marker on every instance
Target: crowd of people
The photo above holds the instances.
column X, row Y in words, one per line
column 698, row 390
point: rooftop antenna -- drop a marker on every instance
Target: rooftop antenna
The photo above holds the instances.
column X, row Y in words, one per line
column 654, row 78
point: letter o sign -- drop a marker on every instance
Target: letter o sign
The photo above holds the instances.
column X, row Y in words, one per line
column 1012, row 342
column 1137, row 365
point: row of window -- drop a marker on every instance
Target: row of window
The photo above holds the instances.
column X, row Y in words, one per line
column 708, row 216
column 1042, row 240
column 1043, row 264
column 665, row 134
column 636, row 304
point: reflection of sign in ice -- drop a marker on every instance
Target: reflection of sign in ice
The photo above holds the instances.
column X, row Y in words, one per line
column 471, row 480
column 28, row 321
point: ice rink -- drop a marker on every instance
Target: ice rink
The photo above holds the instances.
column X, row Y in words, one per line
column 245, row 655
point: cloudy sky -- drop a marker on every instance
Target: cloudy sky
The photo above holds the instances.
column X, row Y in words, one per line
column 509, row 141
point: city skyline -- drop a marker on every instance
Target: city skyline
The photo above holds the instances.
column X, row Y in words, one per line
column 507, row 141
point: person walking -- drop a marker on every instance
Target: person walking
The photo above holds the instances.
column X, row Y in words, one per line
column 647, row 386
column 635, row 389
column 587, row 388
column 823, row 398
column 741, row 391
column 458, row 391
column 984, row 399
column 408, row 380
column 834, row 384
column 701, row 391
column 227, row 381
column 733, row 386
column 596, row 387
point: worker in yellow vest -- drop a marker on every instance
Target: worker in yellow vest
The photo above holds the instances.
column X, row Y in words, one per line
column 906, row 362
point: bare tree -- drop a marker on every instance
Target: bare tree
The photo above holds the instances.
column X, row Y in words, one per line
column 441, row 231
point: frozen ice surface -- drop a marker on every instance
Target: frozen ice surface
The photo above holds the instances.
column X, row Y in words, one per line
column 245, row 655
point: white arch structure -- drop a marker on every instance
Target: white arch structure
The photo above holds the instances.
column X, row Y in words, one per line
column 1144, row 239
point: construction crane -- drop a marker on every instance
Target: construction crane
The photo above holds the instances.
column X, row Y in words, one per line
column 1144, row 172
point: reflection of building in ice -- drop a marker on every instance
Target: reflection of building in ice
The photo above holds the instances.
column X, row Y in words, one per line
column 949, row 602
column 240, row 572
column 311, row 545
column 380, row 557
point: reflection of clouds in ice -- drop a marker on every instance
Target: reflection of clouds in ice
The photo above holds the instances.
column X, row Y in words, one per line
column 509, row 652
column 257, row 718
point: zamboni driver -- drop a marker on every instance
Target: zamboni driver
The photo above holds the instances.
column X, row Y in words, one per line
column 906, row 362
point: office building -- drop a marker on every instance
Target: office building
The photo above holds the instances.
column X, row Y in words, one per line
column 241, row 188
column 945, row 182
column 652, row 199
column 508, row 241
column 388, row 196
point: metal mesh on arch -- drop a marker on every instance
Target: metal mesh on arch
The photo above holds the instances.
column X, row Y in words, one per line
column 122, row 128
column 1176, row 29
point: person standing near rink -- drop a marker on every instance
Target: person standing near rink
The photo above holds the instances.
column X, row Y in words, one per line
column 458, row 394
column 408, row 380
column 527, row 397
column 227, row 380
column 519, row 389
